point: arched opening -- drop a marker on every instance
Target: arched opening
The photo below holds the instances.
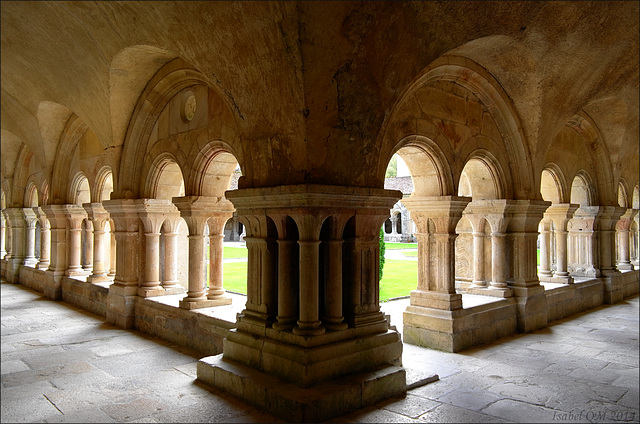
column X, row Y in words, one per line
column 581, row 191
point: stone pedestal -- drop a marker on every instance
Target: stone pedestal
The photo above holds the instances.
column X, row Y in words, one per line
column 296, row 352
column 436, row 219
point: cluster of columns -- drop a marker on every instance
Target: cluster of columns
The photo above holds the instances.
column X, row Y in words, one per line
column 312, row 280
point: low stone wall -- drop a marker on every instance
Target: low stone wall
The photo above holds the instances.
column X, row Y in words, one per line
column 3, row 268
column 181, row 326
column 33, row 278
column 453, row 331
column 573, row 298
column 88, row 296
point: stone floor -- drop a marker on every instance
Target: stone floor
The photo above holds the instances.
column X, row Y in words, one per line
column 61, row 364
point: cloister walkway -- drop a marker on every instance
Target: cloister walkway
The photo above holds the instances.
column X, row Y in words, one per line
column 62, row 364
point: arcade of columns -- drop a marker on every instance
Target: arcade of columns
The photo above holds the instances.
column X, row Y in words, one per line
column 294, row 94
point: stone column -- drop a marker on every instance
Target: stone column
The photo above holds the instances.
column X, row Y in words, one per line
column 560, row 214
column 124, row 289
column 57, row 217
column 3, row 251
column 216, row 222
column 332, row 317
column 30, row 219
column 494, row 212
column 196, row 211
column 99, row 217
column 45, row 239
column 170, row 281
column 288, row 255
column 582, row 243
column 545, row 242
column 636, row 238
column 606, row 221
column 522, row 235
column 87, row 246
column 623, row 226
column 75, row 215
column 478, row 223
column 112, row 253
column 18, row 236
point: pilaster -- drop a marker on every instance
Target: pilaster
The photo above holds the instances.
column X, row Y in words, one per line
column 521, row 247
column 18, row 239
column 124, row 290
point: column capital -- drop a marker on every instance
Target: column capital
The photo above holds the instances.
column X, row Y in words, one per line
column 197, row 210
column 443, row 211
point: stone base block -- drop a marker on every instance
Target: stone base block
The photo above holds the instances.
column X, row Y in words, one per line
column 490, row 291
column 97, row 279
column 121, row 303
column 207, row 303
column 453, row 331
column 308, row 366
column 531, row 305
column 296, row 404
column 171, row 290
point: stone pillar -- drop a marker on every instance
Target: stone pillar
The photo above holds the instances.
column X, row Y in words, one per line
column 478, row 223
column 216, row 222
column 623, row 235
column 112, row 253
column 87, row 246
column 30, row 219
column 545, row 241
column 635, row 235
column 75, row 215
column 99, row 217
column 153, row 213
column 331, row 365
column 583, row 244
column 57, row 217
column 332, row 317
column 124, row 289
column 560, row 214
column 18, row 236
column 435, row 310
column 522, row 235
column 494, row 212
column 45, row 239
column 3, row 251
column 606, row 221
column 170, row 282
column 196, row 211
column 288, row 255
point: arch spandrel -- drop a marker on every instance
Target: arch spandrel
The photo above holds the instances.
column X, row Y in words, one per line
column 159, row 113
column 470, row 76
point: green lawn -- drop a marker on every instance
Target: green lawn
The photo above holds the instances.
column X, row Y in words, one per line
column 395, row 246
column 400, row 277
column 235, row 252
column 234, row 276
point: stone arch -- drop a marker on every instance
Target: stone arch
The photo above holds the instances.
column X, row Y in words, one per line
column 73, row 131
column 471, row 76
column 428, row 166
column 167, row 83
column 165, row 179
column 79, row 190
column 483, row 177
column 31, row 195
column 212, row 170
column 553, row 187
column 103, row 185
column 582, row 191
column 623, row 194
column 603, row 184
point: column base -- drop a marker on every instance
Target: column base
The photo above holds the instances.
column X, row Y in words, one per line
column 531, row 304
column 436, row 300
column 453, row 331
column 297, row 404
column 491, row 291
column 151, row 291
column 205, row 303
column 177, row 289
column 221, row 300
column 625, row 267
